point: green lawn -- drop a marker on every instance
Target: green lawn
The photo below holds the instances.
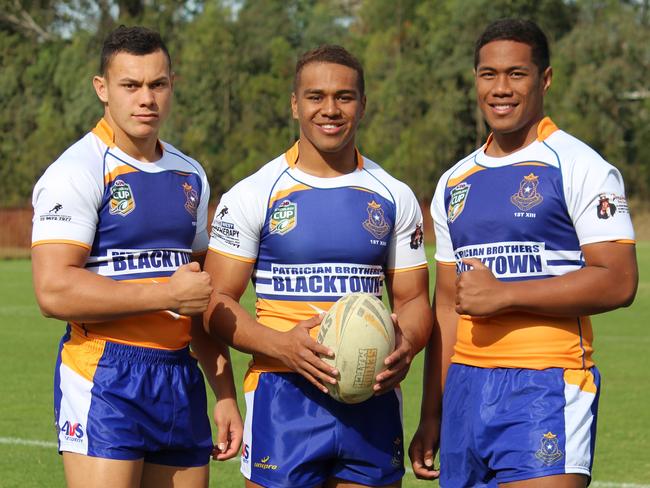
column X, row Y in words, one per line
column 28, row 345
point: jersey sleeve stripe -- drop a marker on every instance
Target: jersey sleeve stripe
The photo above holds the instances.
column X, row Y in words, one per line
column 403, row 270
column 61, row 241
column 232, row 256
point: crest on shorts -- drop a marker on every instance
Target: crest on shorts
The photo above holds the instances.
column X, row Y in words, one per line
column 549, row 450
column 191, row 199
column 284, row 218
column 122, row 201
column 458, row 197
column 527, row 196
column 376, row 223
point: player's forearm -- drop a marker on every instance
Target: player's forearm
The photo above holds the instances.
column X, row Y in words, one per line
column 75, row 294
column 227, row 320
column 588, row 291
column 214, row 357
column 416, row 319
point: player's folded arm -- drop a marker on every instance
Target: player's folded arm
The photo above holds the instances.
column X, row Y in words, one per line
column 607, row 281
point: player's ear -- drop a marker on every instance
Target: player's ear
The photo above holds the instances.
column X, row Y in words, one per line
column 363, row 106
column 547, row 76
column 99, row 84
column 294, row 106
column 172, row 79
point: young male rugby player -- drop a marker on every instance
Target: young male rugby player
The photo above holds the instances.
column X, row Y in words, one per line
column 523, row 249
column 118, row 220
column 312, row 225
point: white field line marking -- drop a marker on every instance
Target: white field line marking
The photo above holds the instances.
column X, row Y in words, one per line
column 15, row 441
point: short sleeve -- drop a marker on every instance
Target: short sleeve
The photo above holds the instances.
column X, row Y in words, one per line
column 596, row 202
column 407, row 243
column 66, row 201
column 444, row 248
column 201, row 239
column 237, row 224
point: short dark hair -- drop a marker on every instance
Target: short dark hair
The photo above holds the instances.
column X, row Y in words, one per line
column 133, row 40
column 330, row 53
column 519, row 30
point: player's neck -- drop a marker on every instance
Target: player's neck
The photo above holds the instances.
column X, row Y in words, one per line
column 326, row 164
column 503, row 144
column 144, row 149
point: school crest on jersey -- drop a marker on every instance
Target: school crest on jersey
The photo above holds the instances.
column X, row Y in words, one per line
column 458, row 198
column 284, row 218
column 376, row 223
column 191, row 199
column 527, row 197
column 549, row 450
column 122, row 201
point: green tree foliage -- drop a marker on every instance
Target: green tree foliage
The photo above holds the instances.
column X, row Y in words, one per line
column 234, row 63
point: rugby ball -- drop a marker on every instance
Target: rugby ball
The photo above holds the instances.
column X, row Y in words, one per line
column 359, row 330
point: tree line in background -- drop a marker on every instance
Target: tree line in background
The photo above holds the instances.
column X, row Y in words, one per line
column 234, row 63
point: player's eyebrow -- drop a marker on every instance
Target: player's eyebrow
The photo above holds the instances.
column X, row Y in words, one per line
column 318, row 91
column 509, row 68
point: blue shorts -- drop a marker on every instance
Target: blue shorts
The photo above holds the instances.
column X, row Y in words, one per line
column 296, row 436
column 125, row 402
column 501, row 425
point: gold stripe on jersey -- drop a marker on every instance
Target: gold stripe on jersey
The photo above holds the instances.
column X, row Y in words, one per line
column 232, row 256
column 516, row 340
column 61, row 241
column 285, row 193
column 532, row 163
column 403, row 270
column 120, row 170
column 467, row 174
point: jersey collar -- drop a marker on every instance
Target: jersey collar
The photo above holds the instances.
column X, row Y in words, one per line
column 105, row 132
column 545, row 128
column 292, row 154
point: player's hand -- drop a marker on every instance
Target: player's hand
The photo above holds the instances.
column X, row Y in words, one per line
column 230, row 429
column 397, row 363
column 299, row 352
column 190, row 289
column 423, row 448
column 478, row 292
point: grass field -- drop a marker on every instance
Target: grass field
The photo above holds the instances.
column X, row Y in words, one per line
column 28, row 345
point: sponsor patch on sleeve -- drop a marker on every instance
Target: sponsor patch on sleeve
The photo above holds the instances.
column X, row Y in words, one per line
column 610, row 205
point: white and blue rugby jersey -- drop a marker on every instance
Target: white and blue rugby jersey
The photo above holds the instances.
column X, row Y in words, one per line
column 315, row 239
column 139, row 220
column 525, row 216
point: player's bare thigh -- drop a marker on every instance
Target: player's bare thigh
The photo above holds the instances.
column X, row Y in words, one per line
column 334, row 483
column 160, row 476
column 557, row 481
column 93, row 472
